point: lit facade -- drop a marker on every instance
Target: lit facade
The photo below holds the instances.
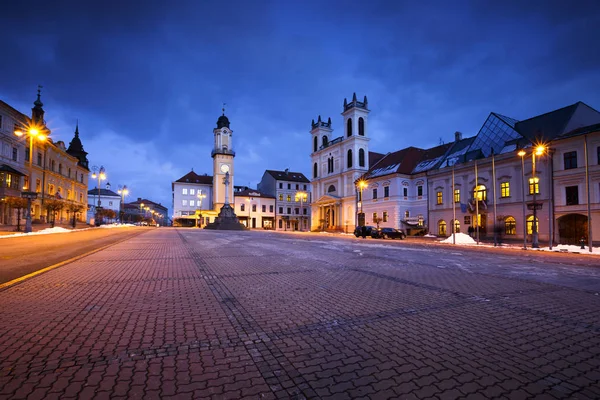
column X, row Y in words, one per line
column 255, row 209
column 192, row 199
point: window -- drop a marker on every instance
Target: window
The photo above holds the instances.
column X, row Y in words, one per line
column 361, row 157
column 289, row 186
column 184, row 202
column 457, row 195
column 504, row 189
column 331, row 189
column 534, row 185
column 440, row 198
column 572, row 195
column 280, row 210
column 467, row 220
column 456, row 226
column 81, row 197
column 315, row 144
column 192, row 203
column 192, row 192
column 405, row 192
column 349, row 127
column 570, row 160
column 15, row 153
column 374, row 194
column 289, row 210
column 109, row 203
column 184, row 191
column 510, row 226
column 280, row 224
column 374, row 217
column 38, row 185
column 242, row 207
column 304, row 187
column 442, row 228
column 26, row 182
column 264, row 208
column 69, row 172
column 386, row 191
column 39, row 159
column 598, row 155
column 60, row 168
column 27, row 154
column 280, row 185
column 280, row 197
column 324, row 141
column 530, row 225
column 271, row 208
column 420, row 191
column 385, row 216
column 421, row 220
column 480, row 193
column 406, row 214
column 315, row 170
column 361, row 127
column 50, row 189
column 304, row 211
column 349, row 159
column 253, row 207
column 296, row 211
column 289, row 197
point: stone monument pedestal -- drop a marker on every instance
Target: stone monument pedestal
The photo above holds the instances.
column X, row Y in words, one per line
column 226, row 221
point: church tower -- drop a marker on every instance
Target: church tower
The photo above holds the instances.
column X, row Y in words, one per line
column 37, row 112
column 222, row 155
column 76, row 149
column 355, row 133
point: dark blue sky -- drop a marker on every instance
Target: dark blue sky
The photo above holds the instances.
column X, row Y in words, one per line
column 146, row 79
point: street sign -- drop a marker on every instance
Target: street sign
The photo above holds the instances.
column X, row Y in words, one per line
column 29, row 195
column 536, row 206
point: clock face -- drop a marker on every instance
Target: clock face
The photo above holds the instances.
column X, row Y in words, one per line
column 224, row 168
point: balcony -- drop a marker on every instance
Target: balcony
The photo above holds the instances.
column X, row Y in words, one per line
column 222, row 151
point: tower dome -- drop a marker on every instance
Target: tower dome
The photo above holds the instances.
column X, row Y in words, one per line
column 223, row 122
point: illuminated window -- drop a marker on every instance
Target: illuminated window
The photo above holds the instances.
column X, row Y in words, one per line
column 421, row 220
column 38, row 185
column 184, row 191
column 534, row 185
column 184, row 202
column 289, row 197
column 510, row 226
column 442, row 228
column 374, row 217
column 440, row 198
column 467, row 220
column 192, row 192
column 191, row 203
column 457, row 195
column 26, row 182
column 385, row 216
column 480, row 193
column 530, row 224
column 280, row 197
column 505, row 189
column 456, row 226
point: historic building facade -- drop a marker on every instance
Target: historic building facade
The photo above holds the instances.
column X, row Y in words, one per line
column 255, row 209
column 292, row 193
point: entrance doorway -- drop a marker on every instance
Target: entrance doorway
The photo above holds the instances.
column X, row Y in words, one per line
column 571, row 228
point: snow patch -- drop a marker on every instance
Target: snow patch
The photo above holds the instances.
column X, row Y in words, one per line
column 461, row 238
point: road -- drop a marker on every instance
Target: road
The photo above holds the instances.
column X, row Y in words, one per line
column 176, row 313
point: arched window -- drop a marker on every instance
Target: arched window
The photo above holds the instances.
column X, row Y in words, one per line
column 361, row 126
column 331, row 189
column 315, row 170
column 349, row 158
column 456, row 226
column 510, row 226
column 349, row 127
column 530, row 224
column 480, row 192
column 315, row 144
column 442, row 227
column 324, row 141
column 361, row 157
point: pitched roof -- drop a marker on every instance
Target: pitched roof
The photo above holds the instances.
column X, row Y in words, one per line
column 548, row 126
column 457, row 153
column 252, row 193
column 374, row 158
column 146, row 201
column 400, row 162
column 288, row 176
column 103, row 192
column 432, row 158
column 192, row 177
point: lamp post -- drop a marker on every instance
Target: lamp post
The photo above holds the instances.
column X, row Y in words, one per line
column 100, row 174
column 302, row 196
column 522, row 155
column 249, row 200
column 123, row 191
column 33, row 132
column 200, row 196
column 534, row 188
column 362, row 184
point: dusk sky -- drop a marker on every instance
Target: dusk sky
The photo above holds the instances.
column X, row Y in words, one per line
column 147, row 79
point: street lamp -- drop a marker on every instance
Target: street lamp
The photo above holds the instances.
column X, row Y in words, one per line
column 100, row 174
column 200, row 196
column 302, row 196
column 362, row 184
column 249, row 200
column 533, row 189
column 123, row 191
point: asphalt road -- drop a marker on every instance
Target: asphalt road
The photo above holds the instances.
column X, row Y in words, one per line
column 22, row 255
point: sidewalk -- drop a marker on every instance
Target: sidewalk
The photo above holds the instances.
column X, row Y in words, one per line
column 12, row 229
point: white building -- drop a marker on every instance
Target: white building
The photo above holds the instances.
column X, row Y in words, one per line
column 292, row 192
column 103, row 198
column 255, row 209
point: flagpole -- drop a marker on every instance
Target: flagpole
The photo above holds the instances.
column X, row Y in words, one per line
column 453, row 209
column 476, row 204
column 494, row 222
column 587, row 190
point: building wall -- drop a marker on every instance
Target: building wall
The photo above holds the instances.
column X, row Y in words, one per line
column 182, row 211
column 259, row 219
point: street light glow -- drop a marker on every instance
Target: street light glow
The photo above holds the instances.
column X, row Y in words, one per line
column 363, row 184
column 540, row 149
column 521, row 153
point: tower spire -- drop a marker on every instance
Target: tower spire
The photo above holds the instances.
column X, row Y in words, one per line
column 77, row 128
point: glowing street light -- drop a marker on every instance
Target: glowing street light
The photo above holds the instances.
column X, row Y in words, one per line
column 362, row 184
column 302, row 197
column 100, row 174
column 538, row 150
column 200, row 196
column 123, row 191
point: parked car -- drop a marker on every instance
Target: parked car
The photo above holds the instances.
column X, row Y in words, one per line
column 388, row 233
column 369, row 229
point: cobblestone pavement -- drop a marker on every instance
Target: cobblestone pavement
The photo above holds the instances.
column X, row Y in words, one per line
column 204, row 314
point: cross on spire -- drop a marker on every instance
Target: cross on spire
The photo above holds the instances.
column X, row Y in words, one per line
column 223, row 109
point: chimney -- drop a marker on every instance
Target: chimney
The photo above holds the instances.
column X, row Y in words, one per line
column 139, row 199
column 457, row 136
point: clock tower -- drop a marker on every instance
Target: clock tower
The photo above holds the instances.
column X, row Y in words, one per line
column 222, row 155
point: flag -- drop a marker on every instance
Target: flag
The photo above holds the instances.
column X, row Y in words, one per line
column 58, row 196
column 463, row 207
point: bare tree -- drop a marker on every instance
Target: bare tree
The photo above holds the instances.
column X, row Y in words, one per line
column 53, row 206
column 75, row 208
column 17, row 203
